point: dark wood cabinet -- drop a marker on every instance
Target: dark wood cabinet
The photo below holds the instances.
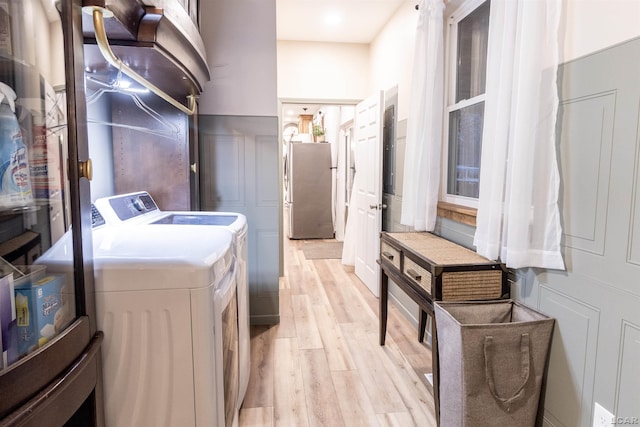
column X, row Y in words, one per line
column 163, row 46
column 162, row 43
column 56, row 378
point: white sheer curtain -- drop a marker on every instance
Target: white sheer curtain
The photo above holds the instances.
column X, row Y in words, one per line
column 518, row 217
column 350, row 231
column 424, row 124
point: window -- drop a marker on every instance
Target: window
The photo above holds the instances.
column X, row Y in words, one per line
column 466, row 73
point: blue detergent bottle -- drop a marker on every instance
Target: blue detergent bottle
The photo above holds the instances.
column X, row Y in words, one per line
column 15, row 178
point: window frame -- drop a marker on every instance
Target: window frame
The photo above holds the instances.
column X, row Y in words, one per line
column 450, row 76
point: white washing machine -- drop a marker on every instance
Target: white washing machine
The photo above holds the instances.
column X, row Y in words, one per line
column 139, row 208
column 166, row 299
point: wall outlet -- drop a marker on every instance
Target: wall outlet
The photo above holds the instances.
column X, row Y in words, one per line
column 602, row 417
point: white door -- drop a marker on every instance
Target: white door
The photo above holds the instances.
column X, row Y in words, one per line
column 368, row 138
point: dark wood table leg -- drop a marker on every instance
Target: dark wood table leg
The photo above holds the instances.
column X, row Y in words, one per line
column 384, row 295
column 435, row 368
column 423, row 325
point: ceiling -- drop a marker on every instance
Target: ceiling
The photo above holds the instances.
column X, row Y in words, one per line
column 336, row 21
column 342, row 21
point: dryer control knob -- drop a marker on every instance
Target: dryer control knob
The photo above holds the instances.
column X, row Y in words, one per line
column 138, row 204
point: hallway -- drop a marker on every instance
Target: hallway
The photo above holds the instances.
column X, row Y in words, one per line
column 323, row 365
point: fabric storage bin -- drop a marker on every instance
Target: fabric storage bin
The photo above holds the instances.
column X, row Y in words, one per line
column 492, row 359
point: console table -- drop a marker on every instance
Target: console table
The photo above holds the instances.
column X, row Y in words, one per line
column 429, row 268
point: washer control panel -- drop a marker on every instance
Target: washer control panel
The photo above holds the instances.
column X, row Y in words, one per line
column 96, row 218
column 132, row 205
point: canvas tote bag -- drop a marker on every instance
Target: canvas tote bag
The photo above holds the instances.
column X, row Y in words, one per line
column 492, row 358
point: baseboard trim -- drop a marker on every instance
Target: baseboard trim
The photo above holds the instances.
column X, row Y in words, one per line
column 270, row 319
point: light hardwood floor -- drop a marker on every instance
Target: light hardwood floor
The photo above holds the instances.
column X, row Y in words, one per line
column 323, row 365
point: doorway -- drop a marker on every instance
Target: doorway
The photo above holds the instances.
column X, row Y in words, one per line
column 331, row 124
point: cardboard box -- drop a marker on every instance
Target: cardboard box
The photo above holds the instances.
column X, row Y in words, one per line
column 7, row 320
column 40, row 311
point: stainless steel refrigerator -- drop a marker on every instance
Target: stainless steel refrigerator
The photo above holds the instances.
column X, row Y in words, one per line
column 308, row 179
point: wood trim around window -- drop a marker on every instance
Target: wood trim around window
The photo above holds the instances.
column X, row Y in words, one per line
column 457, row 213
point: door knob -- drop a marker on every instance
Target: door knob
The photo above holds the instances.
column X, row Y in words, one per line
column 85, row 169
column 381, row 206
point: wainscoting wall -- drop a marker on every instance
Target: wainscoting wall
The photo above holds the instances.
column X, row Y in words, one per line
column 596, row 300
column 239, row 167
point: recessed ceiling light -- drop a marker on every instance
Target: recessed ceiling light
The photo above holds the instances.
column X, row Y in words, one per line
column 332, row 19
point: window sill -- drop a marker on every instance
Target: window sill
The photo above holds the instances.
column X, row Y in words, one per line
column 457, row 213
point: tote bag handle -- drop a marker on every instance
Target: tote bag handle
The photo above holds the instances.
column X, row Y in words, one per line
column 524, row 360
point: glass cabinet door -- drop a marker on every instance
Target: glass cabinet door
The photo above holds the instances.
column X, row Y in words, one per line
column 45, row 236
column 35, row 212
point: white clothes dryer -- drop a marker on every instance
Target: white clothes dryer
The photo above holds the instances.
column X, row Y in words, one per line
column 139, row 208
column 166, row 302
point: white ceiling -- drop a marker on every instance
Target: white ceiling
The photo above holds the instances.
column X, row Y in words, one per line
column 343, row 21
column 355, row 21
column 359, row 21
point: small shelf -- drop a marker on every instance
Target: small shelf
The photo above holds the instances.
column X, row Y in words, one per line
column 22, row 77
column 19, row 210
column 19, row 246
